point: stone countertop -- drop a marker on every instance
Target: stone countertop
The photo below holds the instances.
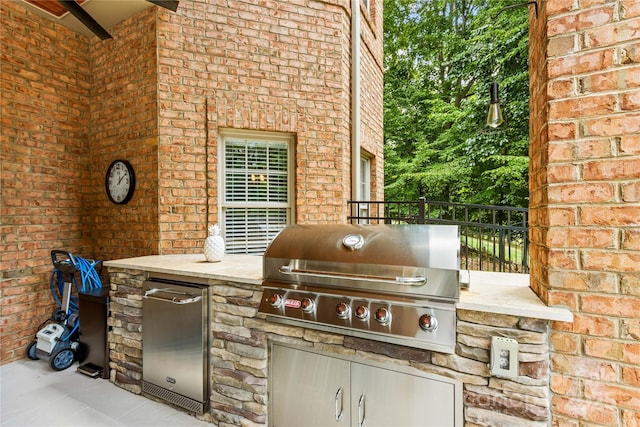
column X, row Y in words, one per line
column 232, row 268
column 506, row 293
column 489, row 292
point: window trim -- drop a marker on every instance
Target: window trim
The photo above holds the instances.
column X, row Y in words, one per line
column 249, row 135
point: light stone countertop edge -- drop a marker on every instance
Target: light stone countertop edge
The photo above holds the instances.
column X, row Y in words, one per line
column 489, row 292
column 506, row 293
column 233, row 268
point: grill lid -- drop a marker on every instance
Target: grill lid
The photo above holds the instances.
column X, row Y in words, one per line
column 416, row 260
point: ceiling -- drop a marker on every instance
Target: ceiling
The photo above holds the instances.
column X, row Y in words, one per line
column 106, row 12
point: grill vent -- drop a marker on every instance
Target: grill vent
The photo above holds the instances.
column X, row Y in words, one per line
column 175, row 398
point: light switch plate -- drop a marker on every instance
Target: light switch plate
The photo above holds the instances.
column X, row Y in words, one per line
column 504, row 357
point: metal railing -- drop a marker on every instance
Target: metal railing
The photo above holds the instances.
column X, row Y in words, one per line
column 492, row 238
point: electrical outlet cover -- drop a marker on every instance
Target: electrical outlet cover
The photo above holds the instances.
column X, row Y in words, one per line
column 504, row 357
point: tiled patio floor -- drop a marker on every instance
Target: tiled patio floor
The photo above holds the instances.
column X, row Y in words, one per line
column 32, row 394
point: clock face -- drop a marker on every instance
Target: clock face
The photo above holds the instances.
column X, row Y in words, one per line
column 120, row 182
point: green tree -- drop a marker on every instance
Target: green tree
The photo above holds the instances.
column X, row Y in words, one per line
column 440, row 56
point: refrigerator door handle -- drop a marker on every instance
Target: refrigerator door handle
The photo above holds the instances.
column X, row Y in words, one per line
column 190, row 299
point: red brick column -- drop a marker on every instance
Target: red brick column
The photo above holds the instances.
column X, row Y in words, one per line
column 585, row 199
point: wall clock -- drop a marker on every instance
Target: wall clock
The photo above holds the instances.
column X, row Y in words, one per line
column 120, row 182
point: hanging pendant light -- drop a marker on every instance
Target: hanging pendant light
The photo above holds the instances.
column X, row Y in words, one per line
column 494, row 116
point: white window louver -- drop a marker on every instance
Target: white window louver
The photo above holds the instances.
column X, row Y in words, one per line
column 256, row 193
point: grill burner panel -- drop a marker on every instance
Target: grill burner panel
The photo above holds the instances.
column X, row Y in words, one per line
column 402, row 326
column 396, row 284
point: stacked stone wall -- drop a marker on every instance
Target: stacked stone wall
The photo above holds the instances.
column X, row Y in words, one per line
column 239, row 356
column 125, row 329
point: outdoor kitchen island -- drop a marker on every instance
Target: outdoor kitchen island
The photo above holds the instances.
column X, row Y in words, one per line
column 495, row 304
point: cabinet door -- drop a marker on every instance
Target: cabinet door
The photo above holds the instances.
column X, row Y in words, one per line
column 308, row 389
column 383, row 397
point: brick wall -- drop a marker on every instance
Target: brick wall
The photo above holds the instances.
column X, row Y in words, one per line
column 156, row 95
column 585, row 159
column 44, row 156
column 538, row 153
column 372, row 79
column 278, row 67
column 124, row 125
column 71, row 105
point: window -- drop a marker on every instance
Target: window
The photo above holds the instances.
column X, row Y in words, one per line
column 256, row 197
column 365, row 187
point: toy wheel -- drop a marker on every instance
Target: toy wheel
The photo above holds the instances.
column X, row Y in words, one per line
column 62, row 359
column 31, row 351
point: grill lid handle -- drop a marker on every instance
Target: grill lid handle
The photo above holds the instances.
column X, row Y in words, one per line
column 420, row 280
column 398, row 280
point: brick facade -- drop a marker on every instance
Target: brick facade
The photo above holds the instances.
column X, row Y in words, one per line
column 585, row 216
column 272, row 67
column 156, row 95
column 124, row 125
column 45, row 154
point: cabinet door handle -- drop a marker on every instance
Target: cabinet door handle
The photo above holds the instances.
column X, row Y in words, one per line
column 339, row 405
column 361, row 411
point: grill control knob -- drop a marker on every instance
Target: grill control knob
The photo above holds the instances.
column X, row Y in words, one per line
column 343, row 310
column 276, row 300
column 308, row 305
column 428, row 323
column 362, row 312
column 383, row 316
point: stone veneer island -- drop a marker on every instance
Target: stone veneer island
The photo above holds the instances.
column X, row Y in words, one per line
column 495, row 304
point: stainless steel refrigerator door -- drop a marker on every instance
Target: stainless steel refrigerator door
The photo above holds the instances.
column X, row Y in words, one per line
column 174, row 338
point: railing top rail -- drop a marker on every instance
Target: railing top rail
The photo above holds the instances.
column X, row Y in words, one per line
column 478, row 225
column 462, row 205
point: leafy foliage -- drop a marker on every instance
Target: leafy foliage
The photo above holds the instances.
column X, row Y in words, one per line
column 440, row 56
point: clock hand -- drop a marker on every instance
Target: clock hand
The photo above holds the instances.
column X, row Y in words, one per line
column 120, row 180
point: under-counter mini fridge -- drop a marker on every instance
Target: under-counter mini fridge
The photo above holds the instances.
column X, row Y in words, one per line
column 175, row 342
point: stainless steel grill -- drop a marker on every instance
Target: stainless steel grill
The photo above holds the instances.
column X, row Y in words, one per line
column 391, row 283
